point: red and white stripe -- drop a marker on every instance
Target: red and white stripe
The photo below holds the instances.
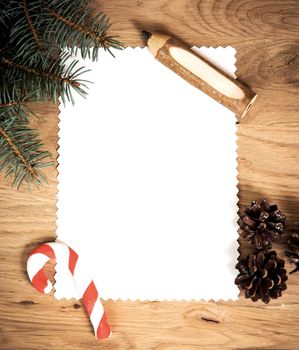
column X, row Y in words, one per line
column 85, row 286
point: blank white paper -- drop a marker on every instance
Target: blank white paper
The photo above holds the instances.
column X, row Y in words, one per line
column 147, row 191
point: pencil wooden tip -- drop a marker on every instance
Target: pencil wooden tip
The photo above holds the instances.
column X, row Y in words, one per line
column 146, row 35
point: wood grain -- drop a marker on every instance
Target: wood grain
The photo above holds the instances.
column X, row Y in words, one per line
column 265, row 33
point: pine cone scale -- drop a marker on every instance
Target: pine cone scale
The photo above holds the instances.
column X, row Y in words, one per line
column 249, row 222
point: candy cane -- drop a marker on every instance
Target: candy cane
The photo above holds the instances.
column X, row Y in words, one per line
column 85, row 286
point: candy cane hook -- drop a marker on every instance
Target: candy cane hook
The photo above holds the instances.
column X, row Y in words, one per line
column 85, row 286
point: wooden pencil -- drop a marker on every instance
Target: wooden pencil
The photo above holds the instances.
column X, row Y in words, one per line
column 201, row 73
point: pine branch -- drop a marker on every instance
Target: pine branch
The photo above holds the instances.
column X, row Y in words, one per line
column 20, row 153
column 32, row 68
column 47, row 78
column 100, row 37
column 31, row 26
column 25, row 33
column 4, row 13
column 17, row 152
column 4, row 29
column 11, row 103
column 40, row 73
column 76, row 29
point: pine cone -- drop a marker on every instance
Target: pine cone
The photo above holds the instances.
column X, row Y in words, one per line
column 293, row 255
column 262, row 276
column 262, row 224
column 294, row 259
column 293, row 240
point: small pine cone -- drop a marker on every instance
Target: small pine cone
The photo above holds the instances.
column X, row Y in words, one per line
column 293, row 243
column 294, row 259
column 262, row 276
column 262, row 224
column 293, row 240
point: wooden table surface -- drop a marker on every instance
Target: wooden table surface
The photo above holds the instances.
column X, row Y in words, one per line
column 266, row 35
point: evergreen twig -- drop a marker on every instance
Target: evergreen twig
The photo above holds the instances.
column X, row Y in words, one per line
column 51, row 80
column 17, row 152
column 32, row 34
column 31, row 26
column 20, row 153
column 75, row 28
column 98, row 36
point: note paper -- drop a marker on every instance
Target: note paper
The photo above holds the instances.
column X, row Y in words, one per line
column 147, row 184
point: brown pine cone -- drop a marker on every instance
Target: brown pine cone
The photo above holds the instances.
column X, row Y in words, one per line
column 262, row 224
column 294, row 259
column 262, row 276
column 293, row 255
column 293, row 240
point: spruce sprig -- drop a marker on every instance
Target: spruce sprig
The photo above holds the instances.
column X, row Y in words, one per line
column 47, row 78
column 32, row 68
column 75, row 28
column 20, row 153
